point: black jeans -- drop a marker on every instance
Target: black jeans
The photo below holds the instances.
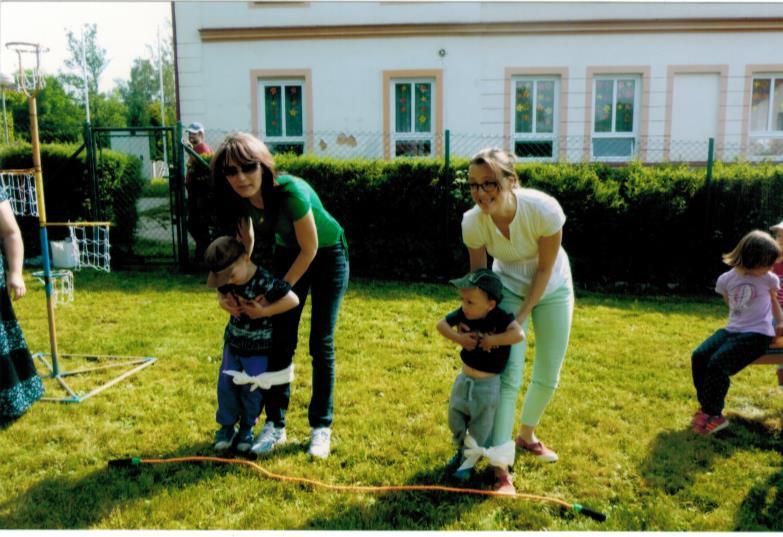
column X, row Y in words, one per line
column 721, row 356
column 326, row 279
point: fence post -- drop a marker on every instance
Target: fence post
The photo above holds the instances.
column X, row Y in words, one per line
column 179, row 199
column 92, row 168
column 708, row 197
column 446, row 192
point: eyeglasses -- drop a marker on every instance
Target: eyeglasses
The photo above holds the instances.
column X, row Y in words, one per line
column 250, row 167
column 486, row 186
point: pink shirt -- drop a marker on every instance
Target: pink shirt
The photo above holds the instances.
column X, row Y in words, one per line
column 750, row 306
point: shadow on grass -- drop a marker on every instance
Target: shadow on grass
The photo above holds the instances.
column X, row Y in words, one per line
column 677, row 458
column 66, row 503
column 409, row 510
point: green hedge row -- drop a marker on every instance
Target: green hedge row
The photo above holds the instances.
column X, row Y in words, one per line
column 68, row 192
column 645, row 227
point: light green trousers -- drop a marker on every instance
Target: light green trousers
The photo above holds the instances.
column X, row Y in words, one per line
column 552, row 324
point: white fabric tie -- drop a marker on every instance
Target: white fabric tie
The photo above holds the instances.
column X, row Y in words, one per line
column 264, row 380
column 502, row 455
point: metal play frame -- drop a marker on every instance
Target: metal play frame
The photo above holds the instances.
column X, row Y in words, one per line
column 30, row 83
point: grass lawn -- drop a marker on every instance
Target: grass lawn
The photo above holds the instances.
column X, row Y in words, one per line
column 620, row 422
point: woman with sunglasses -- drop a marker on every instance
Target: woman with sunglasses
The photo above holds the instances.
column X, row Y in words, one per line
column 309, row 252
column 522, row 229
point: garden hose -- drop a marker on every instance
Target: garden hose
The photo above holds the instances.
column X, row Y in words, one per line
column 575, row 507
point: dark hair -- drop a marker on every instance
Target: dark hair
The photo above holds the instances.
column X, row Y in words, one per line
column 243, row 148
column 754, row 250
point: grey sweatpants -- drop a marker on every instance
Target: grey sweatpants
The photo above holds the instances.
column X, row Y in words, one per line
column 472, row 408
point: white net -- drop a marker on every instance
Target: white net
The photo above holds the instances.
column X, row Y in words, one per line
column 19, row 185
column 92, row 243
column 62, row 285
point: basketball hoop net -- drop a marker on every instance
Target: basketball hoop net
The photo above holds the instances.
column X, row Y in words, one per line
column 29, row 81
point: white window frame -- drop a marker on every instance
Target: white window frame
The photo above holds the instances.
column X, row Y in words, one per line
column 769, row 132
column 412, row 136
column 616, row 135
column 282, row 83
column 535, row 136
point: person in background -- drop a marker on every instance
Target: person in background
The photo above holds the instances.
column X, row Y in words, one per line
column 20, row 385
column 198, row 181
column 777, row 269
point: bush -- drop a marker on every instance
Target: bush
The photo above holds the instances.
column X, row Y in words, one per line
column 69, row 196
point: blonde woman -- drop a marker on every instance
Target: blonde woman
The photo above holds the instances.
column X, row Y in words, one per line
column 522, row 229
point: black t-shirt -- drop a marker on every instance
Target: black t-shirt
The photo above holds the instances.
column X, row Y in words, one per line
column 495, row 322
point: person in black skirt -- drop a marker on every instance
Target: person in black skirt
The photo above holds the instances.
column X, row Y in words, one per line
column 20, row 385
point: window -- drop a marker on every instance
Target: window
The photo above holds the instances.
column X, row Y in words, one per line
column 615, row 117
column 766, row 116
column 535, row 116
column 412, row 109
column 282, row 124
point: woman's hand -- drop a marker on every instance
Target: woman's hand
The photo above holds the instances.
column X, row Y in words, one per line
column 16, row 286
column 253, row 309
column 229, row 303
column 487, row 342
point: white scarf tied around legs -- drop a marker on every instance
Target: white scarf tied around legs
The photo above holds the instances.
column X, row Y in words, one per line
column 502, row 455
column 263, row 381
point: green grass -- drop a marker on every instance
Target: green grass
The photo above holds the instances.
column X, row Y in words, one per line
column 619, row 421
column 156, row 188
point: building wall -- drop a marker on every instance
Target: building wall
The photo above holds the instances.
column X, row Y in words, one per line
column 216, row 76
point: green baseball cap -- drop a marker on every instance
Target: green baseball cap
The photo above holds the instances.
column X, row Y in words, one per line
column 484, row 279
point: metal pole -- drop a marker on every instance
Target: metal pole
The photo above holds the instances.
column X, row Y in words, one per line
column 446, row 202
column 162, row 107
column 84, row 78
column 5, row 117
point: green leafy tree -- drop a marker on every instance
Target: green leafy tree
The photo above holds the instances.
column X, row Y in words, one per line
column 139, row 92
column 59, row 116
column 95, row 60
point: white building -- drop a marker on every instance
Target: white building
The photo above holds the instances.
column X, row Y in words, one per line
column 559, row 81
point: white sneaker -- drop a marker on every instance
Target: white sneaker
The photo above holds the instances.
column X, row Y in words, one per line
column 320, row 440
column 269, row 437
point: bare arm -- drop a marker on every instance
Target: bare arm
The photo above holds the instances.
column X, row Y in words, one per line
column 14, row 250
column 229, row 303
column 777, row 313
column 256, row 309
column 467, row 340
column 478, row 258
column 307, row 237
column 513, row 334
column 548, row 247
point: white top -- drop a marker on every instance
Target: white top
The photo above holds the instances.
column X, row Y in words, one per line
column 516, row 259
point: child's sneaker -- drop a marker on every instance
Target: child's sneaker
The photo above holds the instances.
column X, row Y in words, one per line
column 244, row 439
column 224, row 437
column 698, row 421
column 320, row 442
column 455, row 462
column 712, row 425
column 504, row 483
column 780, row 377
column 269, row 437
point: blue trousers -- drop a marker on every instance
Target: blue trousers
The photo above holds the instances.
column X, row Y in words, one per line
column 721, row 356
column 236, row 403
column 326, row 279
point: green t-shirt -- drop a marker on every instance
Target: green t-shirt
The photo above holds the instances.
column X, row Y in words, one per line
column 296, row 199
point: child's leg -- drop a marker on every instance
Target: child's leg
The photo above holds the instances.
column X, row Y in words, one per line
column 229, row 408
column 250, row 401
column 483, row 403
column 458, row 409
column 701, row 357
column 275, row 402
column 739, row 350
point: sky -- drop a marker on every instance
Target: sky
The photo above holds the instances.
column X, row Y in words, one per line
column 124, row 30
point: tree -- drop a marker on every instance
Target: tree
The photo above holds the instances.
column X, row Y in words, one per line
column 139, row 92
column 95, row 60
column 59, row 116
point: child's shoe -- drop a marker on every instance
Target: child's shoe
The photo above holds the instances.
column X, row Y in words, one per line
column 224, row 437
column 244, row 439
column 269, row 437
column 712, row 425
column 698, row 421
column 780, row 377
column 455, row 462
column 503, row 482
column 320, row 442
column 538, row 449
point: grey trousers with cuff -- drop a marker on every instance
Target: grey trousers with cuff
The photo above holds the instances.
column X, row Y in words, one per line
column 472, row 408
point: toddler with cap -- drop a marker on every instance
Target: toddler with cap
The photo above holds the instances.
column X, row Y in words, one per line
column 485, row 333
column 245, row 383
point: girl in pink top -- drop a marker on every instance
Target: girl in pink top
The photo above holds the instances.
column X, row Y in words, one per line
column 750, row 291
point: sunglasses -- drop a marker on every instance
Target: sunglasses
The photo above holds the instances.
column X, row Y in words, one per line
column 486, row 186
column 250, row 167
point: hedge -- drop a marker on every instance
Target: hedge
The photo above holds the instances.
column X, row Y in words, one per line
column 68, row 192
column 636, row 226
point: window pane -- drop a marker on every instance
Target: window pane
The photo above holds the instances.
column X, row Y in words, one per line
column 413, row 148
column 603, row 105
column 626, row 90
column 533, row 149
column 613, row 147
column 296, row 149
column 523, row 108
column 402, row 111
column 423, row 107
column 759, row 108
column 545, row 103
column 777, row 106
column 293, row 108
column 273, row 112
